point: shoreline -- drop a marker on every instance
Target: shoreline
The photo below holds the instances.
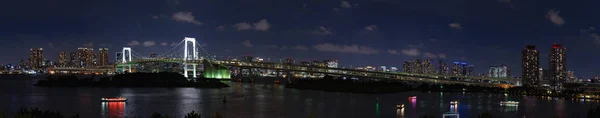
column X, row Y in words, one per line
column 349, row 86
column 141, row 80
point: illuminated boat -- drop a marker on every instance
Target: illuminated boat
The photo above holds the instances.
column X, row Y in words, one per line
column 453, row 102
column 399, row 106
column 412, row 97
column 114, row 99
column 509, row 103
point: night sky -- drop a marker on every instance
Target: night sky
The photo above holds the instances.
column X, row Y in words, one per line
column 356, row 32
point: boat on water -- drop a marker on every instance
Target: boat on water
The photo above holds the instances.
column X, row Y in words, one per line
column 412, row 97
column 509, row 103
column 453, row 102
column 399, row 106
column 114, row 99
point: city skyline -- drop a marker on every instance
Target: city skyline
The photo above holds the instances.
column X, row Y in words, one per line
column 483, row 35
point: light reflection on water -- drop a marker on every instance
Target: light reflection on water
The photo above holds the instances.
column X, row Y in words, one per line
column 269, row 100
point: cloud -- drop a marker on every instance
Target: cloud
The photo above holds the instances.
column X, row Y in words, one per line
column 322, row 31
column 133, row 43
column 416, row 46
column 442, row 55
column 51, row 45
column 149, row 43
column 392, row 51
column 410, row 52
column 590, row 33
column 345, row 4
column 220, row 28
column 155, row 17
column 429, row 55
column 371, row 27
column 455, row 26
column 242, row 26
column 262, row 25
column 89, row 45
column 555, row 18
column 328, row 47
column 247, row 43
column 300, row 47
column 164, row 43
column 185, row 17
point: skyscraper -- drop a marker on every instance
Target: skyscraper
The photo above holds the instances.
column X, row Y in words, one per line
column 86, row 57
column 73, row 60
column 530, row 66
column 36, row 58
column 62, row 59
column 102, row 56
column 557, row 66
column 417, row 66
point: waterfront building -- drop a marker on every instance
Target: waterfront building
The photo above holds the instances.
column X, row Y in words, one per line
column 557, row 66
column 530, row 66
column 393, row 69
column 73, row 60
column 102, row 56
column 332, row 63
column 36, row 58
column 85, row 56
column 407, row 66
column 417, row 66
column 571, row 76
column 62, row 59
column 456, row 68
column 499, row 71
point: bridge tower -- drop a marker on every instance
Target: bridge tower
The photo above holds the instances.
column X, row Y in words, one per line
column 126, row 56
column 191, row 66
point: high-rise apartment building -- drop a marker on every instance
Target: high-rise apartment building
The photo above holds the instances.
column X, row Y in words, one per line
column 530, row 66
column 86, row 57
column 102, row 56
column 417, row 66
column 36, row 58
column 62, row 59
column 557, row 66
column 407, row 66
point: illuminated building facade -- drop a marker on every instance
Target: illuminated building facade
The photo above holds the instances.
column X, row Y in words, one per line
column 407, row 66
column 456, row 68
column 427, row 66
column 36, row 58
column 557, row 66
column 86, row 57
column 417, row 66
column 332, row 63
column 530, row 66
column 62, row 59
column 571, row 76
column 102, row 56
column 500, row 71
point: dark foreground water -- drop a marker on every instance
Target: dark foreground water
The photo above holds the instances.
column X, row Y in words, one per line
column 245, row 100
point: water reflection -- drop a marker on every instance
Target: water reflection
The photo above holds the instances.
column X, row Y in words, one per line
column 113, row 109
column 400, row 113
